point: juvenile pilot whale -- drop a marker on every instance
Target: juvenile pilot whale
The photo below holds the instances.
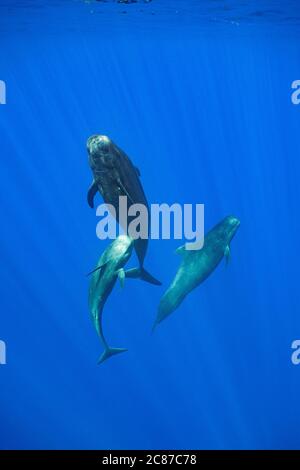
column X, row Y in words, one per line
column 115, row 176
column 197, row 265
column 103, row 278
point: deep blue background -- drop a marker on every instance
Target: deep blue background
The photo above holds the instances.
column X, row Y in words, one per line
column 203, row 108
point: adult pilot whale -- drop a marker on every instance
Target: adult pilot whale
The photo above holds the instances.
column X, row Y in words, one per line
column 197, row 265
column 103, row 278
column 115, row 176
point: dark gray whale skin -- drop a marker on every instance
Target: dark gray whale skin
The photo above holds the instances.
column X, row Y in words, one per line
column 114, row 176
column 197, row 265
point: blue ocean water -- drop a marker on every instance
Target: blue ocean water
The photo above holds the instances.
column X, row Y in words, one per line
column 198, row 93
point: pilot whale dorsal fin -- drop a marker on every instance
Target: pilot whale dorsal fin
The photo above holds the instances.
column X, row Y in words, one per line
column 91, row 193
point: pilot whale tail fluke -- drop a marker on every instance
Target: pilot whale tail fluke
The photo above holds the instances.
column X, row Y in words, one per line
column 141, row 273
column 110, row 352
column 147, row 277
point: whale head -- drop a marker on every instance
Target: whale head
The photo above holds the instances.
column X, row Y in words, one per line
column 230, row 226
column 99, row 148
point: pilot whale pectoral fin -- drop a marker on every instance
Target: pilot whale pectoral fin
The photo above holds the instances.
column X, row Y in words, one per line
column 92, row 193
column 227, row 254
column 97, row 268
column 180, row 250
column 141, row 273
column 137, row 171
column 121, row 275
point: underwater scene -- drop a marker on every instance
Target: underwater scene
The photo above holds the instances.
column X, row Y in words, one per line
column 179, row 327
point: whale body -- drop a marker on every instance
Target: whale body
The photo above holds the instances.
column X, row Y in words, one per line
column 197, row 265
column 114, row 175
column 109, row 268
